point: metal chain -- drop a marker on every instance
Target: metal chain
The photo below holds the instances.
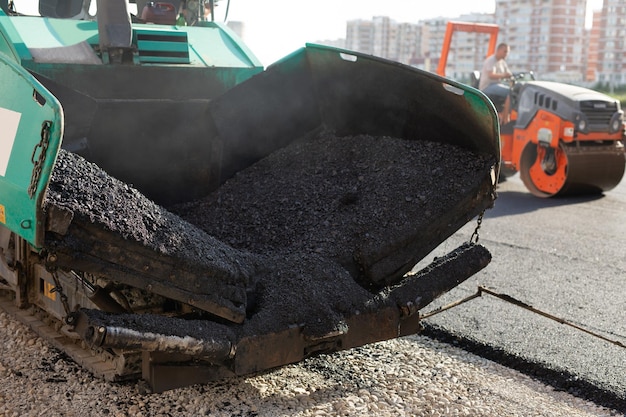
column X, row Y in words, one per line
column 50, row 267
column 475, row 236
column 59, row 290
column 38, row 164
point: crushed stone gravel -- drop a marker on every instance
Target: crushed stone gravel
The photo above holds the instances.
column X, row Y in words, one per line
column 411, row 376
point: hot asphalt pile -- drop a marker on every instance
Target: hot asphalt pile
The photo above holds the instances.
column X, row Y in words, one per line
column 305, row 227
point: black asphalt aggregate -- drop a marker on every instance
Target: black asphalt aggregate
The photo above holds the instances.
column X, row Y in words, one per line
column 563, row 256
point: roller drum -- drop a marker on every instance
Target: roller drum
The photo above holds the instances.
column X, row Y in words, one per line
column 575, row 170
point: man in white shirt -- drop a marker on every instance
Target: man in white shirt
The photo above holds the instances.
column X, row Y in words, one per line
column 493, row 72
column 495, row 68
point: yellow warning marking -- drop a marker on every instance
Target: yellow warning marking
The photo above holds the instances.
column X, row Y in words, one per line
column 48, row 291
column 3, row 218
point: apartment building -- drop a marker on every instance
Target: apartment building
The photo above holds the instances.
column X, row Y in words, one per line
column 547, row 37
column 419, row 44
column 432, row 33
column 611, row 44
column 384, row 37
column 591, row 46
column 359, row 34
column 468, row 50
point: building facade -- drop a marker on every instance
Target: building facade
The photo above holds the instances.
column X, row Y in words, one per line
column 547, row 37
column 384, row 37
column 611, row 47
column 468, row 50
column 593, row 42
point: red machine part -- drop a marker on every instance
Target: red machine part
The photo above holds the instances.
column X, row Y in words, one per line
column 159, row 13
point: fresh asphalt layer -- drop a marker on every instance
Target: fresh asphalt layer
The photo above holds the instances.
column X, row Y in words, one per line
column 565, row 257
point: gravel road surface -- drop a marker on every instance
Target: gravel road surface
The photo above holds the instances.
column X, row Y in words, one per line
column 412, row 376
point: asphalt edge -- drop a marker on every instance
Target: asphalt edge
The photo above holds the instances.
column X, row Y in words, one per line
column 559, row 380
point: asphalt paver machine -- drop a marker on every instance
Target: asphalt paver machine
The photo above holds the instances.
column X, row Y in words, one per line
column 172, row 210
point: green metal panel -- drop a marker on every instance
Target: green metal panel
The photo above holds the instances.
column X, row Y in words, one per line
column 220, row 46
column 38, row 32
column 26, row 160
column 210, row 45
column 13, row 45
column 161, row 46
column 6, row 47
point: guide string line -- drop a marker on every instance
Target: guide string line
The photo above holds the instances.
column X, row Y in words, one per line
column 512, row 300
